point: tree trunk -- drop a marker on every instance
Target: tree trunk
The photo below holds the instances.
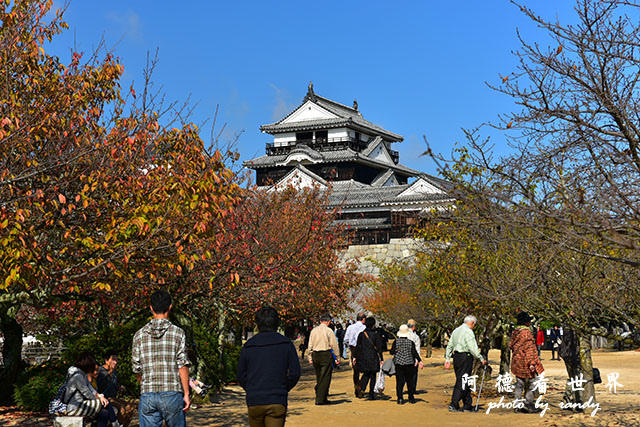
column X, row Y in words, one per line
column 505, row 351
column 11, row 353
column 586, row 365
column 222, row 317
column 430, row 334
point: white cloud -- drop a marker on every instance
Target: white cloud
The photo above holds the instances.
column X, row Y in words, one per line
column 127, row 22
column 282, row 107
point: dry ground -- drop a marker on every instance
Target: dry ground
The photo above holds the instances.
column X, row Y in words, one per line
column 434, row 388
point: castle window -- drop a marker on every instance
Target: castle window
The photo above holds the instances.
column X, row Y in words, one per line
column 304, row 136
column 322, row 135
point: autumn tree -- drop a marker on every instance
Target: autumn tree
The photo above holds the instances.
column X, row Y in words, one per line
column 98, row 197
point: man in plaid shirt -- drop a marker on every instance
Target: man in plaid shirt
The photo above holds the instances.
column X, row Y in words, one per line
column 159, row 360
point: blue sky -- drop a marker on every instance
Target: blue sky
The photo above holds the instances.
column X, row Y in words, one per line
column 416, row 68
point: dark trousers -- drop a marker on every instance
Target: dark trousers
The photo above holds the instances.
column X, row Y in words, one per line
column 267, row 415
column 415, row 378
column 405, row 374
column 356, row 371
column 368, row 377
column 462, row 364
column 323, row 364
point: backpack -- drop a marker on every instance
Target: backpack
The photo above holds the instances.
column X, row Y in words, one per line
column 57, row 405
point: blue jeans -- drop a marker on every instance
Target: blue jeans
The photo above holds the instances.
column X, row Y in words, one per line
column 156, row 407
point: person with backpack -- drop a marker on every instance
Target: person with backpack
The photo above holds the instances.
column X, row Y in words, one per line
column 81, row 398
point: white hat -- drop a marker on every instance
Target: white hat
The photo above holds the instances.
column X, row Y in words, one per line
column 404, row 331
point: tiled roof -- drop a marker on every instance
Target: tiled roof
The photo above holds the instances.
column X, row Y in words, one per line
column 382, row 178
column 372, row 145
column 437, row 182
column 343, row 155
column 347, row 116
column 349, row 194
column 311, row 174
column 365, row 223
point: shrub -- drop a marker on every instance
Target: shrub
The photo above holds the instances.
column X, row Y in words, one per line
column 210, row 370
column 38, row 385
column 230, row 356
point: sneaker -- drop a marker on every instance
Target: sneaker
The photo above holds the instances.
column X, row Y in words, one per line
column 412, row 401
column 469, row 409
column 454, row 409
column 401, row 402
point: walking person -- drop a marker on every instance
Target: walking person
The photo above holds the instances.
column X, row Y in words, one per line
column 405, row 358
column 415, row 338
column 462, row 348
column 556, row 339
column 321, row 342
column 267, row 370
column 368, row 357
column 305, row 341
column 525, row 363
column 539, row 338
column 340, row 337
column 159, row 360
column 351, row 339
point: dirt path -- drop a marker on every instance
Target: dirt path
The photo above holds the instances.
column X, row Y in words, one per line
column 435, row 386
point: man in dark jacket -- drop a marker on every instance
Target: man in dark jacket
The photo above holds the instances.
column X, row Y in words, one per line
column 556, row 340
column 267, row 370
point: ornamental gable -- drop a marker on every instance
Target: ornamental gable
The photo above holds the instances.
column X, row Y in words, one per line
column 309, row 111
column 420, row 187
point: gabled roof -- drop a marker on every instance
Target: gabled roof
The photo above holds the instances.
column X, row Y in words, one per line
column 350, row 194
column 346, row 117
column 372, row 145
column 302, row 173
column 347, row 195
column 344, row 155
column 383, row 178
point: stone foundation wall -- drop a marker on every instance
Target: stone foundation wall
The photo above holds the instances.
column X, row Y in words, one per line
column 366, row 256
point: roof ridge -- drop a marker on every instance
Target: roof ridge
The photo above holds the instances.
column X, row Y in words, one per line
column 338, row 104
column 372, row 145
column 311, row 174
column 382, row 178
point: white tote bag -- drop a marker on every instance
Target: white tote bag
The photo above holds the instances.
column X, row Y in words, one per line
column 379, row 387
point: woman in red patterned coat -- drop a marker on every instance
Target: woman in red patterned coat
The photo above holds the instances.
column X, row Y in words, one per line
column 525, row 363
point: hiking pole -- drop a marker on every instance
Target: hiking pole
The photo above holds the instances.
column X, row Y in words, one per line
column 481, row 384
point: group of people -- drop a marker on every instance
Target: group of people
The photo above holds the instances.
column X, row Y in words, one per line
column 366, row 345
column 269, row 367
column 159, row 360
column 91, row 390
column 526, row 366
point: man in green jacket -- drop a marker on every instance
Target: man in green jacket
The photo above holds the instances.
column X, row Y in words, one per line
column 462, row 348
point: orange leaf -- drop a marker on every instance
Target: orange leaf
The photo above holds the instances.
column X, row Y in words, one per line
column 62, row 199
